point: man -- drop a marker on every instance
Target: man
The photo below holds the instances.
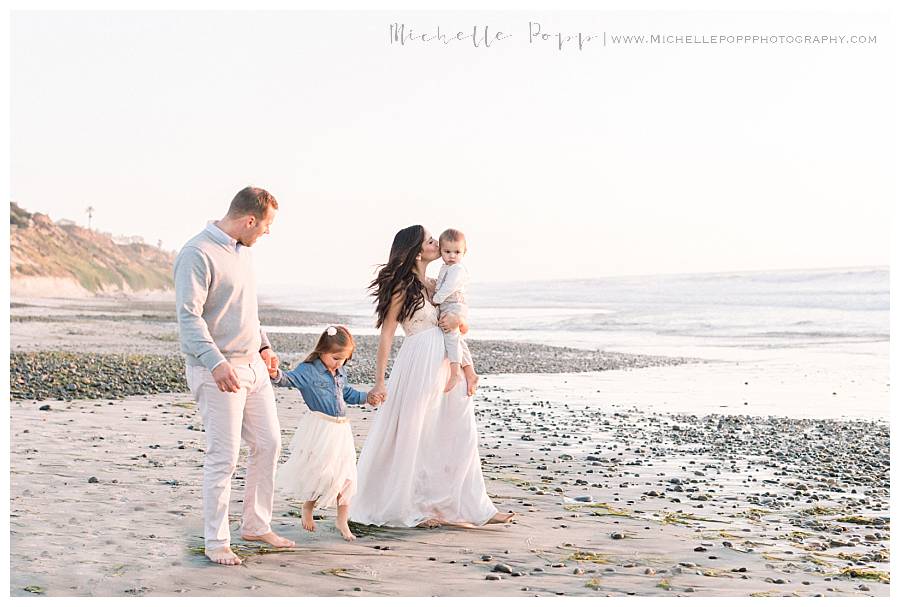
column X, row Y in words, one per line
column 228, row 359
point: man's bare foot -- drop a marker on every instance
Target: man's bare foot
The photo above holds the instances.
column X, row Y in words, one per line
column 502, row 517
column 430, row 523
column 222, row 556
column 471, row 379
column 270, row 538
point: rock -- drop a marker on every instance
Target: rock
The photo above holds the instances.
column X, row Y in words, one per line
column 502, row 568
column 486, row 557
column 492, row 576
column 44, row 408
column 93, row 479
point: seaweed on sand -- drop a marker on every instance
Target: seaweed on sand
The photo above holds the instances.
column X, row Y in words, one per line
column 593, row 583
column 867, row 574
column 592, row 557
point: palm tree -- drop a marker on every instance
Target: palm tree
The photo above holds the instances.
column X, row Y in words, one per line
column 90, row 212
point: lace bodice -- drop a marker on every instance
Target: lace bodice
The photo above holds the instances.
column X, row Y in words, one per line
column 422, row 319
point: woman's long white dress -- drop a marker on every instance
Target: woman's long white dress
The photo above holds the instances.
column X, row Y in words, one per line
column 420, row 460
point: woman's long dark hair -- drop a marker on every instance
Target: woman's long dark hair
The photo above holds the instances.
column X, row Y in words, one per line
column 397, row 276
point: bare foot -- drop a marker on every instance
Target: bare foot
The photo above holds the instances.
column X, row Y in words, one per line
column 307, row 518
column 451, row 383
column 344, row 528
column 501, row 517
column 471, row 379
column 222, row 556
column 430, row 523
column 270, row 538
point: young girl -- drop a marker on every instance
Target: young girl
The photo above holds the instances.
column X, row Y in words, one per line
column 321, row 469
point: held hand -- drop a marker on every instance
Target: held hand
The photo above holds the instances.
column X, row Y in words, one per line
column 448, row 322
column 378, row 393
column 226, row 379
column 271, row 359
column 374, row 399
column 463, row 328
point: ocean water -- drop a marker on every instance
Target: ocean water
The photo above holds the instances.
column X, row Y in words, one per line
column 791, row 328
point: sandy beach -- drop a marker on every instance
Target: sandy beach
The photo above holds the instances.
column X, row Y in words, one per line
column 612, row 499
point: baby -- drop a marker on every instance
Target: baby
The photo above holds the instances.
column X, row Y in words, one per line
column 450, row 295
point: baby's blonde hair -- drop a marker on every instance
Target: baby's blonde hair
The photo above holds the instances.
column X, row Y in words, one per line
column 451, row 235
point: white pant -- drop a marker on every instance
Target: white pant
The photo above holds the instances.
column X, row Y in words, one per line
column 227, row 418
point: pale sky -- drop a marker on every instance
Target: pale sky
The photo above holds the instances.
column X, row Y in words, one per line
column 556, row 164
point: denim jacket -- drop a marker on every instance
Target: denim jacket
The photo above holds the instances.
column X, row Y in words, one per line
column 321, row 390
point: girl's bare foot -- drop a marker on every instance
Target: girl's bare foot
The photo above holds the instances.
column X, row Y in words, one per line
column 471, row 379
column 307, row 517
column 270, row 538
column 502, row 517
column 222, row 556
column 342, row 522
column 344, row 528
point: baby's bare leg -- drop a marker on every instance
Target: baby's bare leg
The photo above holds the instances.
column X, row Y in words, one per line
column 471, row 379
column 454, row 377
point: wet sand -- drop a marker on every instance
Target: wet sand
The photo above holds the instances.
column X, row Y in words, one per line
column 611, row 500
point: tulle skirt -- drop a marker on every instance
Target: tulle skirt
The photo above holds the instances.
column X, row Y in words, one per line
column 420, row 460
column 322, row 463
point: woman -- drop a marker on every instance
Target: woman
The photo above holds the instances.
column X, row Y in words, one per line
column 419, row 465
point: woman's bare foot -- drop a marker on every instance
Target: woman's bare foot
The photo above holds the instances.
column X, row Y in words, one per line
column 307, row 517
column 471, row 379
column 430, row 523
column 222, row 556
column 342, row 522
column 502, row 517
column 270, row 538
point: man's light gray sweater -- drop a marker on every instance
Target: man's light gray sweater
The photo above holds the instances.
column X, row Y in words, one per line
column 215, row 299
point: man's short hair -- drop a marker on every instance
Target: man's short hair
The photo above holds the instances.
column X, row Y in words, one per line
column 252, row 201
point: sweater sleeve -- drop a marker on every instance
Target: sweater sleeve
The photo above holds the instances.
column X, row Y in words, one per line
column 454, row 280
column 192, row 278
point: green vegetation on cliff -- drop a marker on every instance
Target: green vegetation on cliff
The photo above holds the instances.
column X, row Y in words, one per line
column 41, row 248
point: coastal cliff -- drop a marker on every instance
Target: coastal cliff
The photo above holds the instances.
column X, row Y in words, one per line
column 62, row 259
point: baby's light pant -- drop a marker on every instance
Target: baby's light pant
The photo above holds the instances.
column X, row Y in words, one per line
column 456, row 348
